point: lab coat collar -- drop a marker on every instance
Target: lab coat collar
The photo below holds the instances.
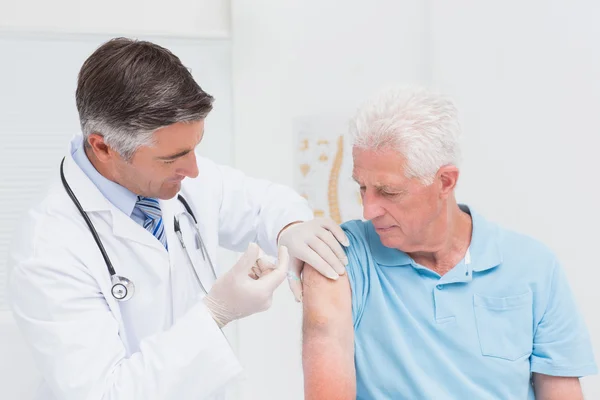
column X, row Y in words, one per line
column 118, row 195
column 93, row 201
column 89, row 196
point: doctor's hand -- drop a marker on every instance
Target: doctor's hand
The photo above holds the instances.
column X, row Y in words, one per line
column 236, row 294
column 316, row 242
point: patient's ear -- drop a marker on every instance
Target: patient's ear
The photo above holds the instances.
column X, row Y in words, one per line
column 447, row 178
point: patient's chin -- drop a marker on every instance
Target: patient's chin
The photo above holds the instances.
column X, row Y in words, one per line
column 391, row 241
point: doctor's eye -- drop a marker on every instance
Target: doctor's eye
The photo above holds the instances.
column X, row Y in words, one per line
column 169, row 161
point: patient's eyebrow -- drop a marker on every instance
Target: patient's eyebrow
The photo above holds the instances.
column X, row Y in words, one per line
column 388, row 188
column 384, row 188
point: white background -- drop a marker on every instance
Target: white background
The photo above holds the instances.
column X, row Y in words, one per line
column 526, row 76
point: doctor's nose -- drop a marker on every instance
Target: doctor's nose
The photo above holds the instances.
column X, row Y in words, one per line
column 190, row 167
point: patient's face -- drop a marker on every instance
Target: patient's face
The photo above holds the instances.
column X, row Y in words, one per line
column 404, row 211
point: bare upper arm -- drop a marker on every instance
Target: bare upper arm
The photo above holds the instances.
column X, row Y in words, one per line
column 327, row 304
column 549, row 387
column 328, row 338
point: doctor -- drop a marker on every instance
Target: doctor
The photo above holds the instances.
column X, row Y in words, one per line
column 113, row 282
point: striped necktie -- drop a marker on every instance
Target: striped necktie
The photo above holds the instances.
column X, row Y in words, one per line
column 153, row 223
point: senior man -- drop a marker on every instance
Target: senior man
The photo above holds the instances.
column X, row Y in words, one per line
column 438, row 302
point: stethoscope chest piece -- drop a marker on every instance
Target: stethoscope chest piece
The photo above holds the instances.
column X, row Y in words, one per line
column 122, row 288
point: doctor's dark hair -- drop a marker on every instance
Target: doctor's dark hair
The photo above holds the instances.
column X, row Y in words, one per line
column 128, row 89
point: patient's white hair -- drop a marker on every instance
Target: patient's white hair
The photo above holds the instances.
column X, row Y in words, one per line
column 421, row 125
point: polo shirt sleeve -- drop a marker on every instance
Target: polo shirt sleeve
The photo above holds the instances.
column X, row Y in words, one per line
column 561, row 343
column 358, row 261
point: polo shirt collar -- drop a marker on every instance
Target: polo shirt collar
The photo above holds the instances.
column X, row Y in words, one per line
column 484, row 249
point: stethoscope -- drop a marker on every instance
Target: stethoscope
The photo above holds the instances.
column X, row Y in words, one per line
column 122, row 288
column 198, row 240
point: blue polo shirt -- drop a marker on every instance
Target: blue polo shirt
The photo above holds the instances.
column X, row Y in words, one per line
column 478, row 332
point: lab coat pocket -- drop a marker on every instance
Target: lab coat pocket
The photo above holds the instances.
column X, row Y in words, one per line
column 504, row 325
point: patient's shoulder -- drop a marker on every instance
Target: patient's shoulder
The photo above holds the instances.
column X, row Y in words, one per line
column 359, row 252
column 357, row 231
column 362, row 238
column 361, row 235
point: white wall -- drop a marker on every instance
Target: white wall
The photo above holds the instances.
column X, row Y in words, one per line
column 291, row 59
column 180, row 18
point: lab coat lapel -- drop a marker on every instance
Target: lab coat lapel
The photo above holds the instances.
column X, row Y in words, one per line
column 126, row 228
column 88, row 195
column 170, row 208
column 92, row 200
column 184, row 276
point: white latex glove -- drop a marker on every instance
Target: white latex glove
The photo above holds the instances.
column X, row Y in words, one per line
column 236, row 295
column 264, row 265
column 316, row 242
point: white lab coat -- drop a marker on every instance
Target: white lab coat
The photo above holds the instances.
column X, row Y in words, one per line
column 162, row 343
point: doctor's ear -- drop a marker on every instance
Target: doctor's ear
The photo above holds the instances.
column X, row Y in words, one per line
column 101, row 150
